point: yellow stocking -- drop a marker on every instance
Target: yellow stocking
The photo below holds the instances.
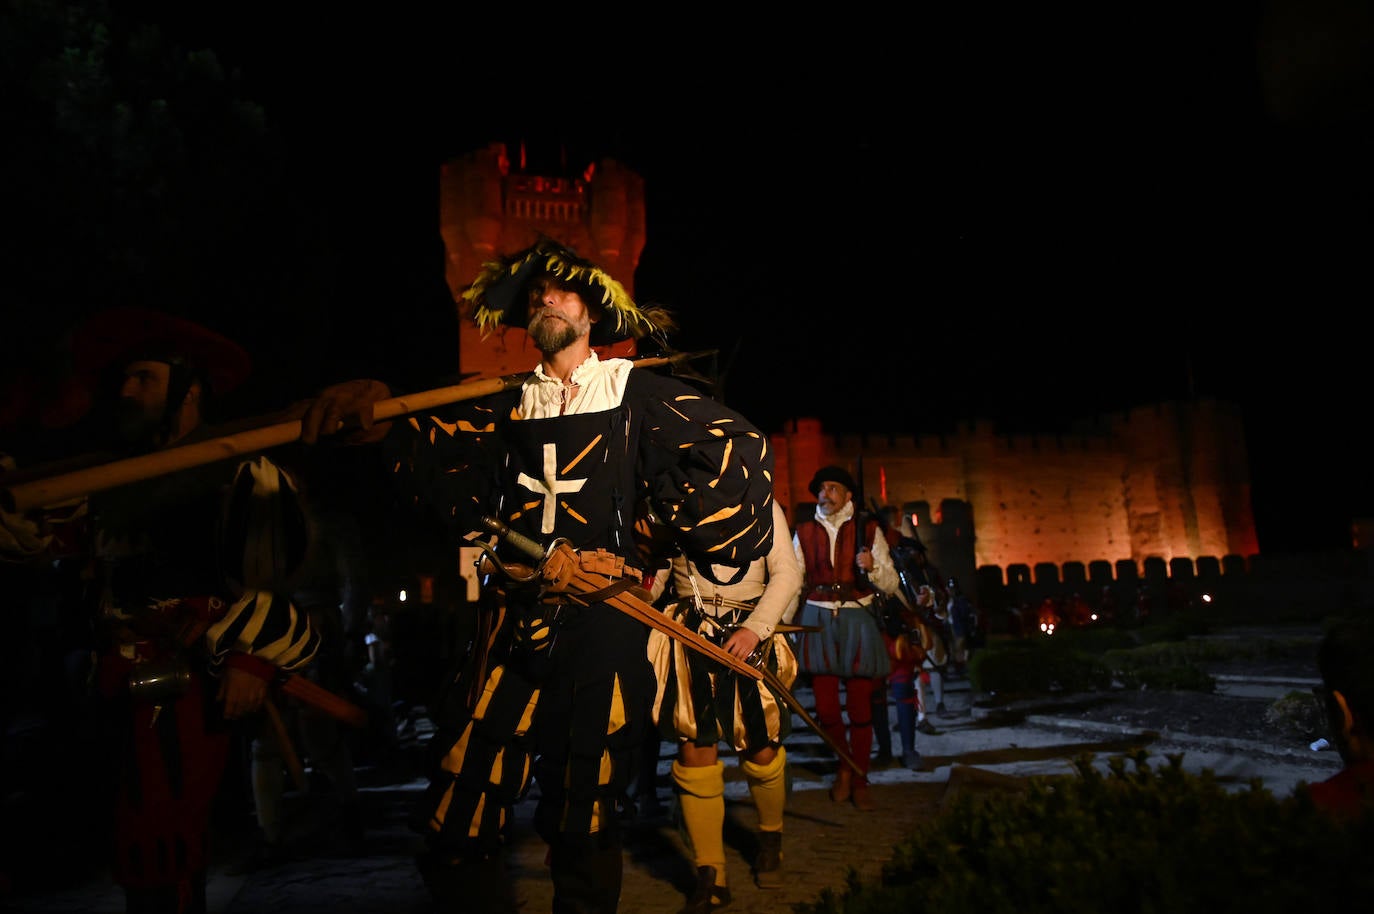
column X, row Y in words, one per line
column 701, row 793
column 768, row 787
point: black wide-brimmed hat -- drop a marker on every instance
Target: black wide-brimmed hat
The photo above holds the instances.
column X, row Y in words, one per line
column 831, row 474
column 500, row 294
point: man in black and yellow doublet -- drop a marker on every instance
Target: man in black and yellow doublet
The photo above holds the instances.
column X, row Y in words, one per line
column 565, row 688
column 559, row 689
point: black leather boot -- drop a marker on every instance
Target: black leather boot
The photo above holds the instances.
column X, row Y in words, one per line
column 467, row 886
column 586, row 880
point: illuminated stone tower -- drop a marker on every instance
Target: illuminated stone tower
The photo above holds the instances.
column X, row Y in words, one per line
column 488, row 207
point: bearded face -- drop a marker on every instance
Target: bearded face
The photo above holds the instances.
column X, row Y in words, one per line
column 142, row 405
column 136, row 427
column 831, row 497
column 558, row 315
column 553, row 331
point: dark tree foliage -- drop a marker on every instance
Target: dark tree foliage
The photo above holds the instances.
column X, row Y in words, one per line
column 138, row 170
column 135, row 171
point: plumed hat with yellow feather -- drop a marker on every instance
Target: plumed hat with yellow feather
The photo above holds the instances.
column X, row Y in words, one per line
column 500, row 294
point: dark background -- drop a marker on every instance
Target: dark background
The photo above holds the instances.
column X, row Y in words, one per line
column 889, row 224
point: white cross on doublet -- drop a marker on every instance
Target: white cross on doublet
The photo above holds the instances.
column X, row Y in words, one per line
column 550, row 486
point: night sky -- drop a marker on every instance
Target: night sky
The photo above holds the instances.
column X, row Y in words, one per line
column 892, row 226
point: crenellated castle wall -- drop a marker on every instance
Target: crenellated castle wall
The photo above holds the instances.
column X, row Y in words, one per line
column 1166, row 481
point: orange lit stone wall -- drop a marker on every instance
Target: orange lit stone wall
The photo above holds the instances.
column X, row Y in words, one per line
column 1167, row 481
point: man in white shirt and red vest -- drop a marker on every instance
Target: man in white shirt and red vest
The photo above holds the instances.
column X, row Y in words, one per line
column 847, row 568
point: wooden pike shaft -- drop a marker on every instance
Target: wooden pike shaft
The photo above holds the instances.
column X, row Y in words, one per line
column 61, row 487
column 57, row 489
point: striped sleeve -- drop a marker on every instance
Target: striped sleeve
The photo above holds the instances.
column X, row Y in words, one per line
column 264, row 537
column 264, row 532
column 269, row 627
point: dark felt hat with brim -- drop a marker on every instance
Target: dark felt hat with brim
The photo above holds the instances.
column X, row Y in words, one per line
column 500, row 294
column 831, row 474
column 117, row 336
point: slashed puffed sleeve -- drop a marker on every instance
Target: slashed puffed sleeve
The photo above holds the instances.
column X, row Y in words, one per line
column 443, row 462
column 708, row 470
column 264, row 537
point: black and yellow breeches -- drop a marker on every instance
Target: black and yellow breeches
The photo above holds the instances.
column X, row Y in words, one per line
column 569, row 711
column 700, row 702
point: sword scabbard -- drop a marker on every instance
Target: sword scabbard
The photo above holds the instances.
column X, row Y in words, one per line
column 319, row 697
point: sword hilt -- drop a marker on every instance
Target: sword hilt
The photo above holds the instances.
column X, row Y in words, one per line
column 518, row 540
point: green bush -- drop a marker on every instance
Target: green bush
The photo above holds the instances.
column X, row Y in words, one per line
column 1222, row 650
column 1130, row 840
column 1028, row 667
column 1175, row 627
column 1160, row 657
column 1164, row 665
column 1092, row 639
column 1171, row 653
column 1182, row 678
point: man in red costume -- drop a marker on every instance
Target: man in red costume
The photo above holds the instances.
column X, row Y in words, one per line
column 845, row 569
column 1346, row 661
column 188, row 629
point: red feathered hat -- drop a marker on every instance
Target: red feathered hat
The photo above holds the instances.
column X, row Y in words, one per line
column 120, row 335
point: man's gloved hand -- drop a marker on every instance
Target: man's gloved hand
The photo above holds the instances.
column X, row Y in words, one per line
column 21, row 536
column 344, row 406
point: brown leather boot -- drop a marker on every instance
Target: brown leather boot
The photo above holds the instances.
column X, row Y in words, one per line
column 706, row 896
column 863, row 800
column 768, row 863
column 841, row 789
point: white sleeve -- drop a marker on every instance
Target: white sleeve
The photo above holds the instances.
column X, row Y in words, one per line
column 778, row 601
column 884, row 573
